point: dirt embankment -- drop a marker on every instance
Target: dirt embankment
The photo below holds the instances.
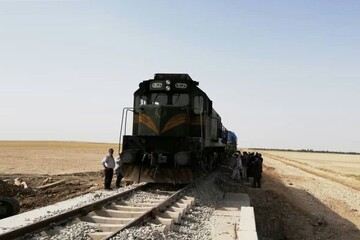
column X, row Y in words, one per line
column 285, row 210
column 34, row 197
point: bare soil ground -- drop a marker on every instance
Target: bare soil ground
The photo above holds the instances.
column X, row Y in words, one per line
column 342, row 168
column 295, row 204
column 345, row 164
column 78, row 163
column 51, row 158
column 33, row 197
column 295, row 201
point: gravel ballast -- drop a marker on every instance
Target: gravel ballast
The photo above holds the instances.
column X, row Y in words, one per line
column 36, row 215
column 195, row 225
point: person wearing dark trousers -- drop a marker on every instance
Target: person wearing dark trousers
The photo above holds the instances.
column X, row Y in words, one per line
column 245, row 165
column 257, row 172
column 118, row 171
column 109, row 163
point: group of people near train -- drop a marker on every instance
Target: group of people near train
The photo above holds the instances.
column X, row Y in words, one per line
column 110, row 165
column 248, row 165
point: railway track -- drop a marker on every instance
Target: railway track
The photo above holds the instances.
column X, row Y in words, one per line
column 111, row 215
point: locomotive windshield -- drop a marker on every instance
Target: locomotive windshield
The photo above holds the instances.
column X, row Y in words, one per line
column 180, row 99
column 175, row 99
column 159, row 99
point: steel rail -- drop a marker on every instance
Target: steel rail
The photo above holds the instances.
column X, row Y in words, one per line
column 62, row 217
column 152, row 212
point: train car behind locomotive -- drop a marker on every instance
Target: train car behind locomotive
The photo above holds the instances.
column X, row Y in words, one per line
column 176, row 131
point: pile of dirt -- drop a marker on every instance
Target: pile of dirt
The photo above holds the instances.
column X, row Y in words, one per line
column 34, row 197
column 11, row 190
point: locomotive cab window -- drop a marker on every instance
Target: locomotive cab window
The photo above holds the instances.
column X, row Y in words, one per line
column 180, row 99
column 159, row 99
column 198, row 104
column 140, row 101
column 143, row 100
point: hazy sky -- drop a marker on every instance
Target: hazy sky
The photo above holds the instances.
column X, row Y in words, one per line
column 282, row 74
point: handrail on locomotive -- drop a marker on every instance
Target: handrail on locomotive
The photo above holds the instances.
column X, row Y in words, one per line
column 126, row 110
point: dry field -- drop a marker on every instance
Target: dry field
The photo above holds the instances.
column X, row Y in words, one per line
column 345, row 164
column 342, row 168
column 35, row 157
column 78, row 163
column 304, row 195
column 321, row 194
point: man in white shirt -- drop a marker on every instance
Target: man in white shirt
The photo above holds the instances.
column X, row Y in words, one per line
column 238, row 166
column 109, row 163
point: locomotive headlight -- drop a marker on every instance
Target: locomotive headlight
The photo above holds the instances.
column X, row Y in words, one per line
column 167, row 82
column 167, row 88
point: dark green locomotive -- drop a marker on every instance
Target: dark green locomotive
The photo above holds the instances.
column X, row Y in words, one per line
column 175, row 131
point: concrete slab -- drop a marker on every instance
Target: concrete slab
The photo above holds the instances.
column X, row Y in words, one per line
column 246, row 235
column 226, row 217
column 247, row 219
column 247, row 228
column 233, row 202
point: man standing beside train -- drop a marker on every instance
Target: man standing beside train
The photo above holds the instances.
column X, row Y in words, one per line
column 245, row 165
column 118, row 171
column 257, row 169
column 109, row 163
column 238, row 166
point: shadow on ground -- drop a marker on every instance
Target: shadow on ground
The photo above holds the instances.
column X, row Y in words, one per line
column 278, row 215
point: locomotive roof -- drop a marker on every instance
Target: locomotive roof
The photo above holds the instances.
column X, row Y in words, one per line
column 174, row 77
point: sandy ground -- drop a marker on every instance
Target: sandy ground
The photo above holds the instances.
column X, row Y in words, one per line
column 51, row 157
column 347, row 165
column 295, row 204
column 78, row 163
column 339, row 175
column 296, row 201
